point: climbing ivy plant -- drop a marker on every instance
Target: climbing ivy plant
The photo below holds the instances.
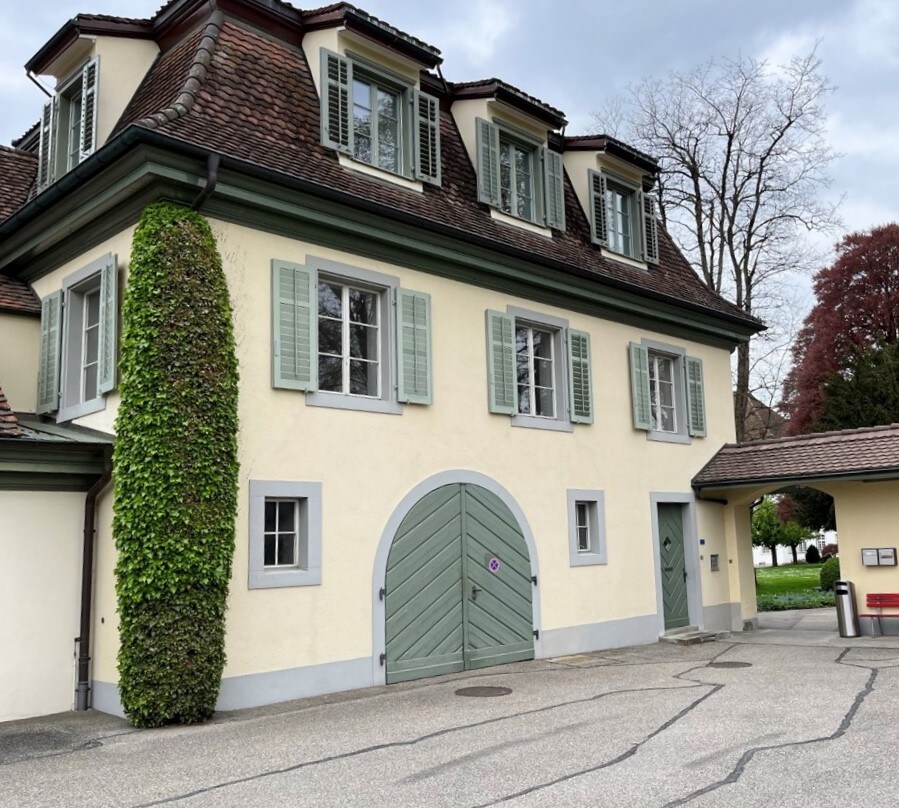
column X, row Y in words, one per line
column 175, row 468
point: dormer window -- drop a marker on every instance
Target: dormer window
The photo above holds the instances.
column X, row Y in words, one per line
column 69, row 125
column 623, row 218
column 379, row 118
column 519, row 176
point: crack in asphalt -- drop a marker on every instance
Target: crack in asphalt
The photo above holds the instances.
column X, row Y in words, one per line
column 449, row 730
column 746, row 758
column 82, row 746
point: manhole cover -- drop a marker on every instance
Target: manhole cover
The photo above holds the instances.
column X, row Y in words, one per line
column 483, row 691
column 729, row 665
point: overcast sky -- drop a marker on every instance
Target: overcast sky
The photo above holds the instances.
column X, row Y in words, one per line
column 585, row 51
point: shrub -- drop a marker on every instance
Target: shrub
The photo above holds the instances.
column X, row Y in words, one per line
column 812, row 556
column 175, row 468
column 830, row 573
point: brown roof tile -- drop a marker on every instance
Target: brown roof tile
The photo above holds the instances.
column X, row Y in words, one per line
column 9, row 424
column 489, row 88
column 16, row 296
column 852, row 453
column 257, row 103
column 18, row 170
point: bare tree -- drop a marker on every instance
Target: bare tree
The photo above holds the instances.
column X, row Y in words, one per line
column 744, row 162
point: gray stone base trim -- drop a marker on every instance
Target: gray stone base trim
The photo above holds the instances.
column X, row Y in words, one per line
column 105, row 698
column 752, row 624
column 873, row 627
column 256, row 689
column 722, row 617
column 599, row 636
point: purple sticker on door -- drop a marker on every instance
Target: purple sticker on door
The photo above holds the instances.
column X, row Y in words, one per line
column 493, row 564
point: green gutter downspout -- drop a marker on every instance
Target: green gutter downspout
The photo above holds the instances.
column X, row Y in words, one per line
column 82, row 689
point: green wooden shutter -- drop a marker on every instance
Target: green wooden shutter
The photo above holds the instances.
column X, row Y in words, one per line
column 48, row 368
column 46, row 165
column 580, row 382
column 488, row 162
column 413, row 323
column 639, row 361
column 501, row 362
column 426, row 133
column 598, row 218
column 109, row 319
column 554, row 188
column 650, row 228
column 294, row 327
column 89, row 81
column 695, row 398
column 336, row 81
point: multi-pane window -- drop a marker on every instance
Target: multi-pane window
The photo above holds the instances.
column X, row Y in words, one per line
column 536, row 375
column 582, row 527
column 377, row 125
column 73, row 102
column 662, row 393
column 620, row 212
column 516, row 176
column 349, row 339
column 90, row 344
column 280, row 533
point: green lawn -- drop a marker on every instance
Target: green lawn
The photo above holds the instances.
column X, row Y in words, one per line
column 790, row 586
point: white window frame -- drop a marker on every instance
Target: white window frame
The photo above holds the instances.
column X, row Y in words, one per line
column 594, row 501
column 532, row 386
column 76, row 287
column 380, row 79
column 307, row 569
column 628, row 193
column 678, row 356
column 510, row 137
column 558, row 328
column 386, row 287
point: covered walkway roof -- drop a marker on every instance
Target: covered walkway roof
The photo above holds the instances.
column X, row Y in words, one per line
column 852, row 454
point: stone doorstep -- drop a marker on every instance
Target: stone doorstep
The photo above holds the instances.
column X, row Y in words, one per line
column 691, row 635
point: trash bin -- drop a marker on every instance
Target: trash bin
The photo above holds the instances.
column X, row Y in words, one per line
column 847, row 613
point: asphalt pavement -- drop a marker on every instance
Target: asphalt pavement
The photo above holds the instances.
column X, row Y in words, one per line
column 786, row 716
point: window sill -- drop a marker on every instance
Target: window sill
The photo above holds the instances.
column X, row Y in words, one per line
column 379, row 173
column 668, row 437
column 339, row 401
column 81, row 409
column 624, row 259
column 524, row 224
column 274, row 578
column 535, row 422
column 588, row 560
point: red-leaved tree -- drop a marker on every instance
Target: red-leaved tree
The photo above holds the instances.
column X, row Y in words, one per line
column 856, row 309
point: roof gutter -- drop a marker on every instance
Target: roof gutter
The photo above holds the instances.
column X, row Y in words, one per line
column 82, row 689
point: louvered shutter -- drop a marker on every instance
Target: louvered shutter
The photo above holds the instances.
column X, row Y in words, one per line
column 501, row 362
column 48, row 367
column 488, row 162
column 598, row 215
column 639, row 362
column 336, row 81
column 426, row 134
column 413, row 323
column 580, row 380
column 109, row 319
column 695, row 398
column 554, row 189
column 89, row 82
column 294, row 331
column 650, row 229
column 46, row 166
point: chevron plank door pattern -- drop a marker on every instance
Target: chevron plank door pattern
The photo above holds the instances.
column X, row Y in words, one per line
column 671, row 553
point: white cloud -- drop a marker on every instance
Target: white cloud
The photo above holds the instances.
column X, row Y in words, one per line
column 477, row 34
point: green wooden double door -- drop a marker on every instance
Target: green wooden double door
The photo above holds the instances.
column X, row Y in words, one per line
column 459, row 587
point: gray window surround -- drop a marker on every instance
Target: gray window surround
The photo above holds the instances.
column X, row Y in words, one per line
column 386, row 286
column 680, row 392
column 596, row 512
column 74, row 287
column 636, row 253
column 559, row 327
column 308, row 570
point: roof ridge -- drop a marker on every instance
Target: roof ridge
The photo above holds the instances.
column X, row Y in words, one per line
column 863, row 431
column 196, row 76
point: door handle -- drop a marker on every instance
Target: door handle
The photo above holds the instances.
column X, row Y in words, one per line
column 474, row 591
column 685, row 574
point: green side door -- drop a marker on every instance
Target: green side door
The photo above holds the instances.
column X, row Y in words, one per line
column 673, row 563
column 458, row 588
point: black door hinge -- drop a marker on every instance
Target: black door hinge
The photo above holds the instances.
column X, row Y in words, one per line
column 536, row 633
column 534, row 580
column 382, row 593
column 382, row 659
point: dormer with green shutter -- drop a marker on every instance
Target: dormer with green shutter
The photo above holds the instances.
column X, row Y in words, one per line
column 96, row 65
column 614, row 184
column 374, row 112
column 506, row 133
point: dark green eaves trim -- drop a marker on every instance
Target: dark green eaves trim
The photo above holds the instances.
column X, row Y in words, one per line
column 38, row 465
column 704, row 490
column 141, row 165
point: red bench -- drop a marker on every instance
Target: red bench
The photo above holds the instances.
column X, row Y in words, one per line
column 881, row 601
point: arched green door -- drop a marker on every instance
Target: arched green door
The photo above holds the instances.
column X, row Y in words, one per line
column 458, row 589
